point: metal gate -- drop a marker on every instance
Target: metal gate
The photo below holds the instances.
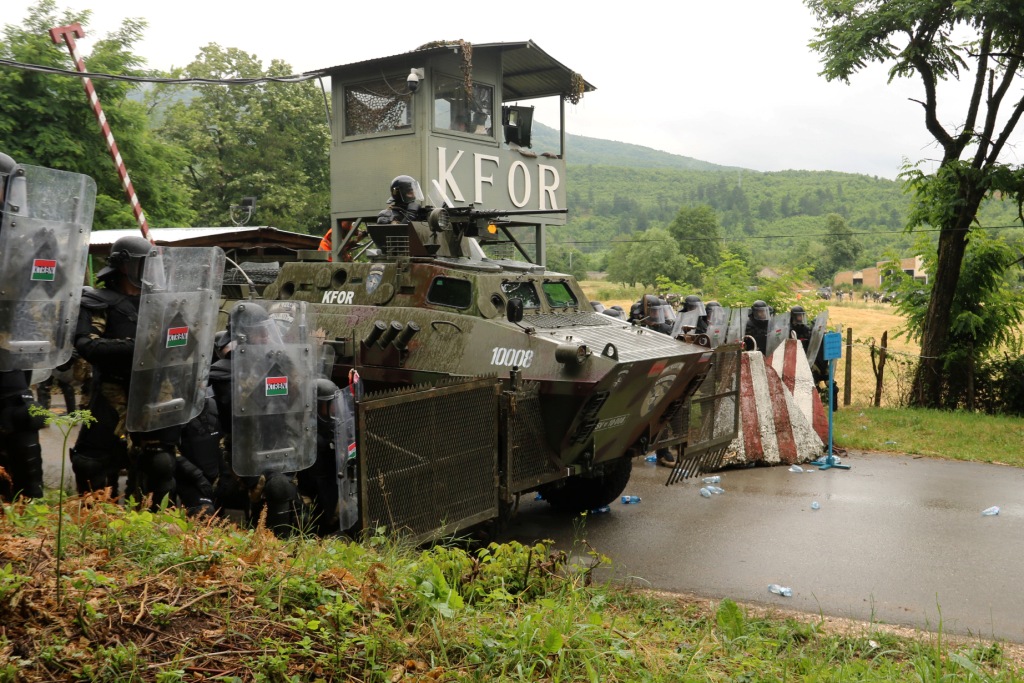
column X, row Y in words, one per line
column 429, row 458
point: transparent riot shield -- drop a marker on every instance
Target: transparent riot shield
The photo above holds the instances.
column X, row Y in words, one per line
column 274, row 370
column 44, row 245
column 718, row 323
column 737, row 321
column 818, row 330
column 174, row 341
column 686, row 323
column 778, row 332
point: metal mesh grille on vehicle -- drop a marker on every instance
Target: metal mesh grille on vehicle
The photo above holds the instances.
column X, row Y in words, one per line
column 430, row 458
column 529, row 460
column 712, row 415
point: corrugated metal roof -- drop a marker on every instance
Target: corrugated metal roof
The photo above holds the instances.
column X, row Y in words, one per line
column 173, row 235
column 529, row 71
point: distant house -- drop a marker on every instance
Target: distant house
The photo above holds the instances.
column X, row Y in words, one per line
column 874, row 278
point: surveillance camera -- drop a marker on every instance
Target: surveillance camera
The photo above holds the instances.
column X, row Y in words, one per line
column 413, row 81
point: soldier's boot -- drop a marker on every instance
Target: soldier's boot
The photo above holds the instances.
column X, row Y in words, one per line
column 156, row 468
column 194, row 490
column 282, row 500
column 26, row 464
column 92, row 471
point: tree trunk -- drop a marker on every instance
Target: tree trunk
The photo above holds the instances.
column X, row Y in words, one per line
column 929, row 381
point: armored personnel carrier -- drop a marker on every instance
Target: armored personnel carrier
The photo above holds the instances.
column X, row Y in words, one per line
column 487, row 375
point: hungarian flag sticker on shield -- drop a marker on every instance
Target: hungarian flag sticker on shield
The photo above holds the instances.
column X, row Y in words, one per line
column 277, row 386
column 44, row 270
column 177, row 336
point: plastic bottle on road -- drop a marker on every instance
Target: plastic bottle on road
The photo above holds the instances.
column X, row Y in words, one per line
column 706, row 492
column 715, row 489
column 796, row 468
column 815, row 505
column 712, row 480
column 784, row 591
column 651, row 458
column 630, row 500
column 601, row 510
column 991, row 512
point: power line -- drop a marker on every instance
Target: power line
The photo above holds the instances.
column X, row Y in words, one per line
column 52, row 70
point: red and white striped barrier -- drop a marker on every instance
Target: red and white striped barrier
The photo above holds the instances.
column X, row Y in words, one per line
column 773, row 429
column 790, row 362
column 67, row 34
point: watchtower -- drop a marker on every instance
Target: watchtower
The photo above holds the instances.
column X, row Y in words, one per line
column 450, row 115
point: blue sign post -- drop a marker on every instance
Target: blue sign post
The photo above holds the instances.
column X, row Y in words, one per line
column 832, row 350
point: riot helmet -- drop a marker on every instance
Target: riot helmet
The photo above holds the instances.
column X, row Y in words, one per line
column 597, row 306
column 760, row 311
column 406, row 193
column 326, row 403
column 797, row 316
column 128, row 258
column 693, row 303
column 249, row 323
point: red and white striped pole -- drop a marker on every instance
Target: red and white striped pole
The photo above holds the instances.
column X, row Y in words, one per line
column 67, row 34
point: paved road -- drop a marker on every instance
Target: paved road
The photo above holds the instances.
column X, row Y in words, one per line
column 896, row 540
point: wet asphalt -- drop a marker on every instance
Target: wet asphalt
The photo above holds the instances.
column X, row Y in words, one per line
column 896, row 540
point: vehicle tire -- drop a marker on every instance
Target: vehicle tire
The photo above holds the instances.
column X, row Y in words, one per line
column 579, row 494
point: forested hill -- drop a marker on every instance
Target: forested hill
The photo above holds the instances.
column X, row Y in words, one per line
column 774, row 219
column 596, row 152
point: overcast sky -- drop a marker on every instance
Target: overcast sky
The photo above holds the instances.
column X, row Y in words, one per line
column 726, row 81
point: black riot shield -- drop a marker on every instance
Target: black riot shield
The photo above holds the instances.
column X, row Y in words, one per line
column 44, row 245
column 174, row 341
column 274, row 370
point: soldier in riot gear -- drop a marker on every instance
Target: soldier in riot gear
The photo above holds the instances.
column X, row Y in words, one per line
column 654, row 313
column 405, row 201
column 798, row 325
column 249, row 323
column 105, row 337
column 756, row 331
column 20, row 453
column 693, row 303
column 319, row 483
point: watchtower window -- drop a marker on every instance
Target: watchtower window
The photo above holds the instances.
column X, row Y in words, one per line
column 559, row 295
column 446, row 291
column 375, row 107
column 522, row 290
column 461, row 109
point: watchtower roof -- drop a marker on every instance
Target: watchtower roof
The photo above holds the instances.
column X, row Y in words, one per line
column 529, row 72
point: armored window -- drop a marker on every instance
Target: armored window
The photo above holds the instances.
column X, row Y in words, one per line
column 446, row 291
column 462, row 107
column 559, row 295
column 375, row 107
column 522, row 290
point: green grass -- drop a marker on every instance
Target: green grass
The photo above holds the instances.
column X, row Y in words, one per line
column 956, row 436
column 154, row 596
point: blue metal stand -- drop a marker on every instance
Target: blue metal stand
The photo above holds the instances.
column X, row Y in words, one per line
column 833, row 349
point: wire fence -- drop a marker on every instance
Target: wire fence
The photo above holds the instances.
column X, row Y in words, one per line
column 871, row 374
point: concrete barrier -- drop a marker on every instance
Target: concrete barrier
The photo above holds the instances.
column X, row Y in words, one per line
column 773, row 428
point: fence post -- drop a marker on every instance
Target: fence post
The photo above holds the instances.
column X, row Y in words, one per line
column 879, row 368
column 849, row 366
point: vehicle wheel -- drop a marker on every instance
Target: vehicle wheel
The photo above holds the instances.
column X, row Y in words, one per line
column 578, row 494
